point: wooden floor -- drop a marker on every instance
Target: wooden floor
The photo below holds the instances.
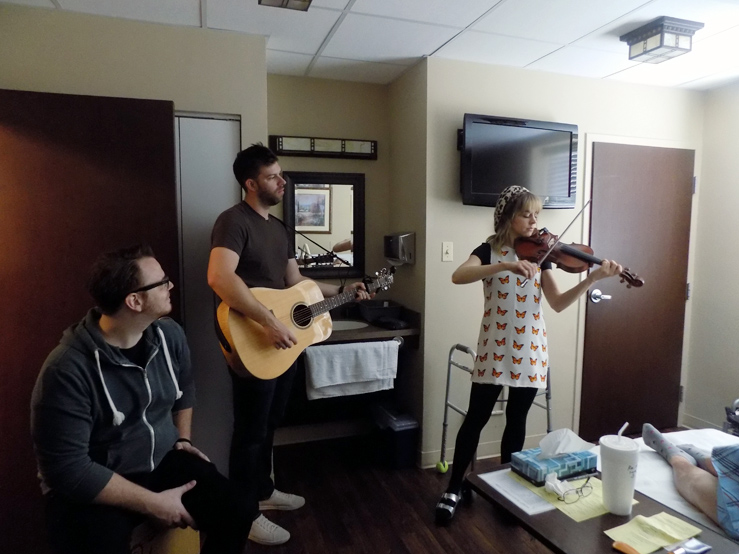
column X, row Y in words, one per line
column 357, row 504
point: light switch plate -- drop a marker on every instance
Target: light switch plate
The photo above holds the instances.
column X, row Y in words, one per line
column 447, row 251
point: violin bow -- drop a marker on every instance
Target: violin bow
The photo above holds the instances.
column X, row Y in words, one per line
column 559, row 238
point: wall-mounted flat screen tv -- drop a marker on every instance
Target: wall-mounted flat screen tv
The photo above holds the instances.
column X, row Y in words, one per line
column 500, row 151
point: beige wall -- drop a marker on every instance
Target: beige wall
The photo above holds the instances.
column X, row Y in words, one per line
column 408, row 213
column 621, row 111
column 336, row 109
column 200, row 70
column 714, row 350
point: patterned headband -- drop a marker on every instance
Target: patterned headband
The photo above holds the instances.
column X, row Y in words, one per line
column 506, row 197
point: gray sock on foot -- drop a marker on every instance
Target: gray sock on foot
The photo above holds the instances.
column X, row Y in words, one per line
column 702, row 457
column 655, row 439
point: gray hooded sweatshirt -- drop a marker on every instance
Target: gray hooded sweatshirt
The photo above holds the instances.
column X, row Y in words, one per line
column 94, row 412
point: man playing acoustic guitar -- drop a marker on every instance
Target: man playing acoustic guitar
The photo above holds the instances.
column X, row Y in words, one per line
column 251, row 248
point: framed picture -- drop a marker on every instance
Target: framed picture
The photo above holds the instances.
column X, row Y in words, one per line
column 312, row 186
column 313, row 210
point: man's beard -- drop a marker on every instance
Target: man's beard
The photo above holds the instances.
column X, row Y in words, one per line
column 268, row 198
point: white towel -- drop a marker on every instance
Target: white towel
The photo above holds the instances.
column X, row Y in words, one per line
column 348, row 369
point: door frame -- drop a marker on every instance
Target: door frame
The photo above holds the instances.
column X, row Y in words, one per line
column 591, row 138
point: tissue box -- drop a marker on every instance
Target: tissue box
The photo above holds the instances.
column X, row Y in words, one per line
column 527, row 465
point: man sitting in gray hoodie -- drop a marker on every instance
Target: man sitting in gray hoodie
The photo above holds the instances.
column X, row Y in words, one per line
column 111, row 415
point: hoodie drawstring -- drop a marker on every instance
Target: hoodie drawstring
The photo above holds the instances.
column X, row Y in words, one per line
column 169, row 364
column 118, row 416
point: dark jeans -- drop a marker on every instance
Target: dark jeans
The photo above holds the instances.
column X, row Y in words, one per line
column 222, row 510
column 482, row 402
column 258, row 405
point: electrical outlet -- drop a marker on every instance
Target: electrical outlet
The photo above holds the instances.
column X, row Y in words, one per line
column 447, row 251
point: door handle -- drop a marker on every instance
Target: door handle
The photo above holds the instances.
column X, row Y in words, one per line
column 596, row 296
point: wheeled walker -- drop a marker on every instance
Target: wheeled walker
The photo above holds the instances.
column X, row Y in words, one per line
column 442, row 466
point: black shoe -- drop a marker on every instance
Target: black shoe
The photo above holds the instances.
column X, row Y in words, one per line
column 446, row 507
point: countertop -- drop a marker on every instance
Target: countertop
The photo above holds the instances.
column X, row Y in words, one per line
column 372, row 332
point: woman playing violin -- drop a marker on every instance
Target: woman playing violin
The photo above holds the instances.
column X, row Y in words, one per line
column 512, row 345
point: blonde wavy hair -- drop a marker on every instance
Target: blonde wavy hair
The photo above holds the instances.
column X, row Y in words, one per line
column 524, row 202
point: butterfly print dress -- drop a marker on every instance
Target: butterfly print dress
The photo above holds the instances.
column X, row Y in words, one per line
column 512, row 348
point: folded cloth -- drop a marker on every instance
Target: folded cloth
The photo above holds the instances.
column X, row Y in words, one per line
column 348, row 369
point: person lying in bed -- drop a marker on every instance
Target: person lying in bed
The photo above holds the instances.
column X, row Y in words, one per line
column 708, row 480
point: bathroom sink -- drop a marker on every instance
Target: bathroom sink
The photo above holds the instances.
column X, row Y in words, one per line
column 348, row 325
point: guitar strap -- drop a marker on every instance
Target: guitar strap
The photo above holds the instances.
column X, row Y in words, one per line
column 329, row 252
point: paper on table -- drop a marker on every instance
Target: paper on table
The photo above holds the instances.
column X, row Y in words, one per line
column 517, row 493
column 585, row 508
column 647, row 534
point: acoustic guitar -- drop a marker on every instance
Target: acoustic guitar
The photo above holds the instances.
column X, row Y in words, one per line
column 301, row 308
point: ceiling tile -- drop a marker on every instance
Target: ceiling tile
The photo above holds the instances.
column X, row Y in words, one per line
column 495, row 49
column 353, row 70
column 560, row 21
column 287, row 63
column 35, row 3
column 459, row 13
column 288, row 30
column 173, row 12
column 375, row 39
column 717, row 15
column 572, row 60
column 332, row 4
column 711, row 81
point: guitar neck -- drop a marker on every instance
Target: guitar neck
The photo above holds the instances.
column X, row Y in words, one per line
column 338, row 300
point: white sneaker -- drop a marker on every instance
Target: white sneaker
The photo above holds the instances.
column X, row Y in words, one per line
column 263, row 531
column 281, row 501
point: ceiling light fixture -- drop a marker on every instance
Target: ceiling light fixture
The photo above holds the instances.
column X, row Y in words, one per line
column 661, row 40
column 301, row 5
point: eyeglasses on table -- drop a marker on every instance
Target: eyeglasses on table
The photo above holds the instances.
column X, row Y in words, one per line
column 573, row 495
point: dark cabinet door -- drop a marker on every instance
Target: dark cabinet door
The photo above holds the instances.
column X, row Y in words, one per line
column 78, row 175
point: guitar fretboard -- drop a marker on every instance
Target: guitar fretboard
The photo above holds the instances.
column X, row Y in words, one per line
column 340, row 299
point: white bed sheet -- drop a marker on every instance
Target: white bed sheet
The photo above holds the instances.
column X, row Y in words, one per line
column 654, row 475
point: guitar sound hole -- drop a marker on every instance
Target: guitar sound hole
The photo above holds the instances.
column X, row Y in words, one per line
column 301, row 316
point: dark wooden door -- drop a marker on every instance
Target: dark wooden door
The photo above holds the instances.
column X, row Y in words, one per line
column 633, row 342
column 78, row 175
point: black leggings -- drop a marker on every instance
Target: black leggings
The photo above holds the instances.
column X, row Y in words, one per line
column 482, row 402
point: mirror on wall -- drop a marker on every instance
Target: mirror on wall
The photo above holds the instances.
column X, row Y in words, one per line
column 328, row 209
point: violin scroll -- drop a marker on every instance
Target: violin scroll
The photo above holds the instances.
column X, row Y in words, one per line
column 631, row 278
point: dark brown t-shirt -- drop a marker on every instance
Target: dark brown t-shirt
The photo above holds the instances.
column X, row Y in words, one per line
column 263, row 245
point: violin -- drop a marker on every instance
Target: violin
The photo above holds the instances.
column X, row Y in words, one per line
column 572, row 258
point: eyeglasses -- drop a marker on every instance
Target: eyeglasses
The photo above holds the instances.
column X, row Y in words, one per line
column 164, row 281
column 573, row 495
